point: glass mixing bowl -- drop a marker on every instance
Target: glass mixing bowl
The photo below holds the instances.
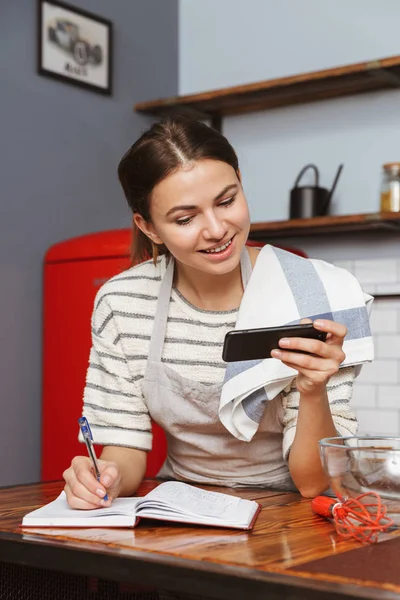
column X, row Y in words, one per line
column 358, row 465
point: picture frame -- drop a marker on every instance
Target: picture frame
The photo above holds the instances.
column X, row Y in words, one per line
column 74, row 46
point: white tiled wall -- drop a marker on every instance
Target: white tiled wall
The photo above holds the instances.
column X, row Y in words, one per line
column 376, row 396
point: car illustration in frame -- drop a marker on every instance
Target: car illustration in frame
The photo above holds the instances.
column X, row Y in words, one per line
column 74, row 46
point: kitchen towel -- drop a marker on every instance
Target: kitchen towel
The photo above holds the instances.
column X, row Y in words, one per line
column 283, row 289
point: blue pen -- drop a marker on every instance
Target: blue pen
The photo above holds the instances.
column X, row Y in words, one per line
column 88, row 439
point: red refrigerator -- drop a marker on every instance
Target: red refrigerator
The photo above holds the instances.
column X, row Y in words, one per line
column 73, row 272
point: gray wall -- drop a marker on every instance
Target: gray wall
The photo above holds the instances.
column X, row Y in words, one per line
column 226, row 44
column 59, row 149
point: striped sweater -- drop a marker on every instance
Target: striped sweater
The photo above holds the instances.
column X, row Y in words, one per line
column 122, row 323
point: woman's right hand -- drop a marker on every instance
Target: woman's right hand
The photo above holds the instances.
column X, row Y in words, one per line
column 82, row 488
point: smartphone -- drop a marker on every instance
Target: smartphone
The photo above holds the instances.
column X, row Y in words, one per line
column 256, row 344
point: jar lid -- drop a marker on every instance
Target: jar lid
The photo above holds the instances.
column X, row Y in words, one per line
column 391, row 166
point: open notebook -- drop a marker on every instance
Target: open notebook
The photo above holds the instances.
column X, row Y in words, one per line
column 170, row 501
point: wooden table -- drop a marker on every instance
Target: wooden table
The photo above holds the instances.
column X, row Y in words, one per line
column 289, row 554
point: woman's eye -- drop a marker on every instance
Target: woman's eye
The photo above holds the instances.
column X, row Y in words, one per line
column 187, row 220
column 227, row 202
column 184, row 221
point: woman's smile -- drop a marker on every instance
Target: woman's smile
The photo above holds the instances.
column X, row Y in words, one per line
column 220, row 252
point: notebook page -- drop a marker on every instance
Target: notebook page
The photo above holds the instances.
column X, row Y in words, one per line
column 186, row 499
column 59, row 511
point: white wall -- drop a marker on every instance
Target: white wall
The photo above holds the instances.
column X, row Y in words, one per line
column 225, row 42
column 231, row 42
column 376, row 397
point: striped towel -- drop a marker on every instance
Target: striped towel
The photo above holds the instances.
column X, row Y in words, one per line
column 283, row 289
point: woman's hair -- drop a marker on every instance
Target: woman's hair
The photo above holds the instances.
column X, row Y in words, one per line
column 164, row 148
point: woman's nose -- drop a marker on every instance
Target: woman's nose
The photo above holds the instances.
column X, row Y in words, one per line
column 214, row 228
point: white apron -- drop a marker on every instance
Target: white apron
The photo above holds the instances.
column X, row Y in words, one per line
column 200, row 449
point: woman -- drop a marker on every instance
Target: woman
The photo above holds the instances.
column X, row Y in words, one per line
column 158, row 331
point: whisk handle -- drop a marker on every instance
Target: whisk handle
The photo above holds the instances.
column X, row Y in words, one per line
column 323, row 505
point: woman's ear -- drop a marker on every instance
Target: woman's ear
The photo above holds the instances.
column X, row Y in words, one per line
column 147, row 228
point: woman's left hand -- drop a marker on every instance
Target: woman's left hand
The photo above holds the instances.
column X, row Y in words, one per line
column 324, row 358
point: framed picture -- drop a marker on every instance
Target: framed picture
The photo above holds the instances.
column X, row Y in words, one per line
column 74, row 46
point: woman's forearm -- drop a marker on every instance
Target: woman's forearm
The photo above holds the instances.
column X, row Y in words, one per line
column 314, row 422
column 131, row 464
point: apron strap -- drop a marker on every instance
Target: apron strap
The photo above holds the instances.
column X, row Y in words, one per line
column 161, row 316
column 245, row 267
column 162, row 309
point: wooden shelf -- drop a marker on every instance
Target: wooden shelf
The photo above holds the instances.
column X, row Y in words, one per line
column 326, row 225
column 308, row 87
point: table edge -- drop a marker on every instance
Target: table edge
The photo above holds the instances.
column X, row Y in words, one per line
column 176, row 574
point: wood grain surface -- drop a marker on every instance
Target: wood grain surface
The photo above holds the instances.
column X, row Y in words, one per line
column 286, row 537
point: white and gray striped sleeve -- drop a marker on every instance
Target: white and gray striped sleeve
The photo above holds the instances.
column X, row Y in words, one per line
column 112, row 400
column 340, row 391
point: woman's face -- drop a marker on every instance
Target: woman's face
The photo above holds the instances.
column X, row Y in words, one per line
column 201, row 215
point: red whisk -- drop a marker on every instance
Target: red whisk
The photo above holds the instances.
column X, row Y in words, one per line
column 361, row 518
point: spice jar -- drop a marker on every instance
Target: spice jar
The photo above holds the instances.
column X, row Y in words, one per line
column 390, row 188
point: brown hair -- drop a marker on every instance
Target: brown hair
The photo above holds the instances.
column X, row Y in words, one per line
column 161, row 150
